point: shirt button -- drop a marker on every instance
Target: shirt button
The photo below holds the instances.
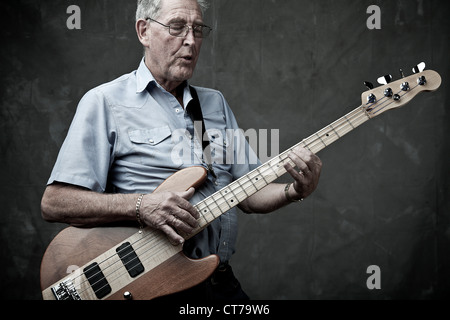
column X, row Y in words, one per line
column 151, row 141
column 177, row 110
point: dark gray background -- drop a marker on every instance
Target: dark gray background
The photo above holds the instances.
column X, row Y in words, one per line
column 291, row 65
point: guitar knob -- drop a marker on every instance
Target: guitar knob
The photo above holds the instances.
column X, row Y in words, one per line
column 397, row 97
column 385, row 80
column 371, row 98
column 127, row 295
column 369, row 85
column 419, row 68
column 404, row 86
column 388, row 92
column 422, row 81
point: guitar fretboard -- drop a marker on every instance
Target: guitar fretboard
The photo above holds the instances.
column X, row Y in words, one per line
column 229, row 197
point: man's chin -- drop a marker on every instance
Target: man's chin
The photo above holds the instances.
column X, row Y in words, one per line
column 184, row 75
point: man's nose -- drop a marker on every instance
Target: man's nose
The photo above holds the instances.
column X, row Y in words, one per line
column 189, row 40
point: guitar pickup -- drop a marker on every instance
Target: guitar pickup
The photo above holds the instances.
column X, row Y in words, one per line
column 130, row 260
column 97, row 280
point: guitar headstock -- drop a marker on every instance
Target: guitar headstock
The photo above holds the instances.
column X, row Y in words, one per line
column 396, row 94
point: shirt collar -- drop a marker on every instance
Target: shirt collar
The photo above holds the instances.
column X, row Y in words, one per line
column 144, row 77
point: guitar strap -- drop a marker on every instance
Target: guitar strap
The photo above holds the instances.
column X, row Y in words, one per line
column 195, row 112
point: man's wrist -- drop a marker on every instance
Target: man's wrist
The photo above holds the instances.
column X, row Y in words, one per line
column 288, row 196
column 138, row 212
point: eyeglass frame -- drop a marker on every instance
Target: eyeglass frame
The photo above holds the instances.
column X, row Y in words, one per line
column 187, row 29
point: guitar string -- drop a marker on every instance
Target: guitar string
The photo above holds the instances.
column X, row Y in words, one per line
column 315, row 142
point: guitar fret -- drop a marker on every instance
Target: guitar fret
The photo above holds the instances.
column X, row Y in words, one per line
column 329, row 135
column 306, row 146
column 345, row 117
column 255, row 179
column 321, row 140
column 227, row 207
column 277, row 165
column 334, row 130
column 231, row 199
column 259, row 171
column 251, row 185
column 204, row 211
column 243, row 189
column 213, row 203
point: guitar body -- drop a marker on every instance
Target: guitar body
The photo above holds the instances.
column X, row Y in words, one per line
column 74, row 248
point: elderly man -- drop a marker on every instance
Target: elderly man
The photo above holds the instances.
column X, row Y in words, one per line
column 119, row 147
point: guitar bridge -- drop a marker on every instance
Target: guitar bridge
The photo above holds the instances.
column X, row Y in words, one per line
column 66, row 291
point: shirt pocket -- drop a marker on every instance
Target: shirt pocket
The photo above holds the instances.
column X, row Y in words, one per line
column 155, row 147
column 218, row 146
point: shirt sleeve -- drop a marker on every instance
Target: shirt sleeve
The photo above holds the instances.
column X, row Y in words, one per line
column 88, row 150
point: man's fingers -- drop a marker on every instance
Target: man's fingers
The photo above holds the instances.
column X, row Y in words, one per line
column 172, row 235
column 294, row 173
column 188, row 194
column 300, row 163
column 185, row 217
column 186, row 205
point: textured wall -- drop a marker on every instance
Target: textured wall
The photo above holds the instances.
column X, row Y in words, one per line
column 290, row 65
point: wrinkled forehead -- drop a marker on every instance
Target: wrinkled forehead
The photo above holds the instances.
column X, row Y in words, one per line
column 188, row 10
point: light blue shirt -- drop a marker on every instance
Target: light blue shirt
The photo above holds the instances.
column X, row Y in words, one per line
column 130, row 135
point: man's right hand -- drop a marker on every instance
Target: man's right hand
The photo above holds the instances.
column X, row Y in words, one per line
column 170, row 212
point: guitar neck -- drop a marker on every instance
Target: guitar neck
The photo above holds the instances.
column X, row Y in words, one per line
column 229, row 197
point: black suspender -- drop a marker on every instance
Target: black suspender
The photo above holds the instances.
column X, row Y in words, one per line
column 195, row 112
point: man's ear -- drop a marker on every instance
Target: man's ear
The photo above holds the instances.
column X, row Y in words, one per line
column 143, row 31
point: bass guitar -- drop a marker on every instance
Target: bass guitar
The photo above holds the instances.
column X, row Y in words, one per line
column 114, row 263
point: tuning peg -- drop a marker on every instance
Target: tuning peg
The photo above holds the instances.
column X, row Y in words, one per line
column 419, row 68
column 422, row 81
column 385, row 79
column 369, row 85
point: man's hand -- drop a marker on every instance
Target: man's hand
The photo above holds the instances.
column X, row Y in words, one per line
column 170, row 212
column 307, row 174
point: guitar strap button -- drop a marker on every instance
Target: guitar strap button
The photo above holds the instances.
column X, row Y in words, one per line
column 127, row 295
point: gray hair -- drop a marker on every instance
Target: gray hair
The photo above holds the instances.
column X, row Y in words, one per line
column 151, row 8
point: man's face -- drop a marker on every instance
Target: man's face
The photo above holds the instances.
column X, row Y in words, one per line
column 173, row 59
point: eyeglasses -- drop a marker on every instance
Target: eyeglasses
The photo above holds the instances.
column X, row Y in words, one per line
column 182, row 30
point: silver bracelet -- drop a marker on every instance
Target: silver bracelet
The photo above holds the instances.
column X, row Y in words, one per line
column 288, row 197
column 138, row 212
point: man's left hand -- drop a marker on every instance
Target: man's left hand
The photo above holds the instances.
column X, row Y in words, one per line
column 306, row 172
